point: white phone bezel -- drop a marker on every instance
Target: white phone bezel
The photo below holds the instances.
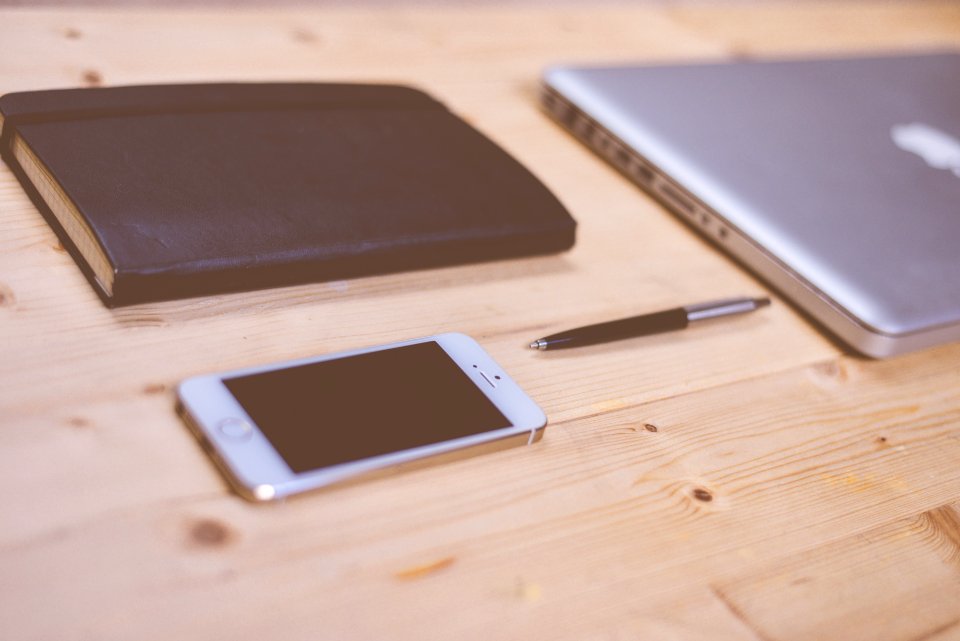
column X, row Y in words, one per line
column 260, row 473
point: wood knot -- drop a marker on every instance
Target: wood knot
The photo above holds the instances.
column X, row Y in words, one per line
column 72, row 33
column 210, row 533
column 7, row 299
column 304, row 35
column 882, row 442
column 78, row 422
column 155, row 388
column 650, row 427
column 92, row 78
column 832, row 371
column 702, row 494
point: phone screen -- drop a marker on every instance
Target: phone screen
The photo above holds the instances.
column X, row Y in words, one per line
column 352, row 408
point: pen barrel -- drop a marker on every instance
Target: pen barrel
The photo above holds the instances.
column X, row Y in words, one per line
column 656, row 323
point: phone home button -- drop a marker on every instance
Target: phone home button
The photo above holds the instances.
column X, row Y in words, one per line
column 235, row 429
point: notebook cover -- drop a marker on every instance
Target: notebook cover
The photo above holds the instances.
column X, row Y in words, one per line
column 200, row 189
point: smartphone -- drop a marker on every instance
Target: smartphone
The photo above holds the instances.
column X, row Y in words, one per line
column 281, row 429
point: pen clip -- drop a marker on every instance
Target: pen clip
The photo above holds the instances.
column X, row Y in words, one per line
column 723, row 307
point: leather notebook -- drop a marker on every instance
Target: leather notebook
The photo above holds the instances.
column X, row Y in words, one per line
column 168, row 191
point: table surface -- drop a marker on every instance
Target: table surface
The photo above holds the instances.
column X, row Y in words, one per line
column 747, row 481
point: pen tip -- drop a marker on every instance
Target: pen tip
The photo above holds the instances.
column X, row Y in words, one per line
column 761, row 302
column 535, row 345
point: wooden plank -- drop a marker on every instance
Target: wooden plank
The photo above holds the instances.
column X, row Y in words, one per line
column 748, row 31
column 605, row 520
column 900, row 581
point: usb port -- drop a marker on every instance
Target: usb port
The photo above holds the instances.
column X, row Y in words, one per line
column 641, row 172
column 584, row 128
column 675, row 198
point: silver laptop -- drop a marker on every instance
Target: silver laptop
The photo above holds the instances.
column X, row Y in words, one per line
column 837, row 181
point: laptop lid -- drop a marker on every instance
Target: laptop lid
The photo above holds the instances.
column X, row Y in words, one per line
column 843, row 174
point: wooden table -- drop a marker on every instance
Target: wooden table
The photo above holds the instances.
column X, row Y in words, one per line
column 747, row 480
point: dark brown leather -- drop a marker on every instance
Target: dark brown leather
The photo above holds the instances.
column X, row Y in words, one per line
column 198, row 189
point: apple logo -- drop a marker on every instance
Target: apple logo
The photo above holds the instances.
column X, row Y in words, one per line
column 937, row 148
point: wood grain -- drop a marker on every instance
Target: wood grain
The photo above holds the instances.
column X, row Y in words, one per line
column 744, row 481
column 908, row 568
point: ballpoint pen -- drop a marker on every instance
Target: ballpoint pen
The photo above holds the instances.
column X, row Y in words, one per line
column 655, row 323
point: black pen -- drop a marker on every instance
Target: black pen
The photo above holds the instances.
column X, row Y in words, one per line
column 655, row 323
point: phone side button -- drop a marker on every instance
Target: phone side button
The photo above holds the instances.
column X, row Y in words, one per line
column 235, row 429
